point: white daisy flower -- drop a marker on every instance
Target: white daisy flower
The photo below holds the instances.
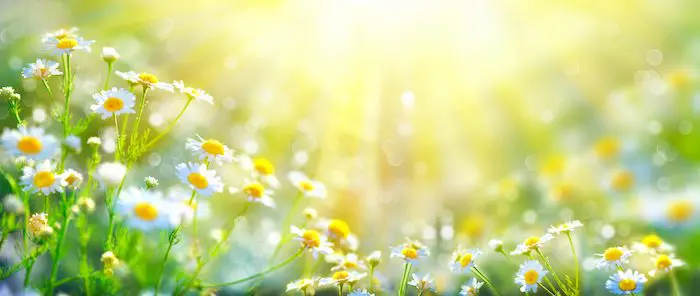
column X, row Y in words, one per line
column 145, row 210
column 73, row 142
column 146, row 79
column 338, row 231
column 30, row 142
column 613, row 258
column 61, row 34
column 341, row 277
column 347, row 261
column 67, row 45
column 471, row 289
column 41, row 179
column 424, row 283
column 210, row 150
column 652, row 244
column 463, row 260
column 626, row 283
column 113, row 102
column 193, row 93
column 110, row 173
column 41, row 69
column 71, row 178
column 312, row 240
column 565, row 228
column 664, row 263
column 411, row 252
column 256, row 192
column 261, row 168
column 359, row 292
column 198, row 178
column 306, row 286
column 530, row 274
column 182, row 197
column 532, row 243
column 309, row 187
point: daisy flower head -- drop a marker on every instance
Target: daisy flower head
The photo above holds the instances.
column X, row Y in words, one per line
column 471, row 289
column 61, row 34
column 116, row 101
column 67, row 44
column 424, row 283
column 111, row 173
column 463, row 260
column 146, row 210
column 71, row 178
column 664, row 263
column 338, row 231
column 411, row 252
column 312, row 240
column 38, row 225
column 199, row 178
column 209, row 150
column 529, row 275
column 147, row 80
column 345, row 262
column 359, row 292
column 306, row 286
column 341, row 278
column 261, row 168
column 651, row 244
column 531, row 244
column 565, row 228
column 256, row 192
column 41, row 69
column 626, row 283
column 308, row 187
column 193, row 93
column 30, row 142
column 613, row 258
column 42, row 179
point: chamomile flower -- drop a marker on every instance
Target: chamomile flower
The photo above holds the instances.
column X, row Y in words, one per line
column 532, row 243
column 38, row 225
column 262, row 169
column 347, row 261
column 410, row 252
column 193, row 93
column 308, row 187
column 339, row 233
column 41, row 179
column 341, row 277
column 145, row 210
column 71, row 178
column 147, row 80
column 110, row 173
column 613, row 258
column 67, row 45
column 530, row 274
column 312, row 240
column 626, row 283
column 565, row 228
column 374, row 258
column 61, row 34
column 664, row 263
column 256, row 192
column 651, row 244
column 359, row 292
column 198, row 178
column 496, row 245
column 30, row 142
column 471, row 289
column 113, row 102
column 41, row 69
column 210, row 150
column 424, row 283
column 463, row 260
column 306, row 286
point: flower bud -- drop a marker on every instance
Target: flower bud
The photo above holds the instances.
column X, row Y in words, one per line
column 109, row 55
column 151, row 182
column 374, row 258
column 496, row 245
column 94, row 141
column 87, row 204
column 109, row 260
column 310, row 214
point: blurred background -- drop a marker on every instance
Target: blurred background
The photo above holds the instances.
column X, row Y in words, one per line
column 452, row 122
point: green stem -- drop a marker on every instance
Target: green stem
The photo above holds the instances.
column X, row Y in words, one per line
column 119, row 142
column 483, row 277
column 573, row 251
column 27, row 273
column 545, row 288
column 48, row 88
column 170, row 126
column 371, row 279
column 59, row 244
column 340, row 290
column 171, row 241
column 259, row 274
column 404, row 278
column 109, row 75
column 549, row 267
column 135, row 129
column 674, row 283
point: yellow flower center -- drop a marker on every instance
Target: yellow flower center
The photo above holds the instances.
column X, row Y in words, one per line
column 145, row 211
column 663, row 262
column 306, row 185
column 66, row 43
column 198, row 180
column 623, row 180
column 680, row 211
column 113, row 104
column 148, row 78
column 652, row 241
column 349, row 264
column 409, row 253
column 29, row 145
column 465, row 259
column 339, row 228
column 213, row 147
column 43, row 72
column 612, row 254
column 532, row 241
column 43, row 179
column 607, row 147
column 312, row 238
column 71, row 179
column 263, row 166
column 254, row 189
column 340, row 275
column 627, row 285
column 531, row 277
